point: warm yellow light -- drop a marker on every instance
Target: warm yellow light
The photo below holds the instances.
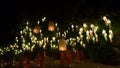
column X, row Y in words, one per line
column 110, row 36
column 110, row 31
column 87, row 32
column 103, row 32
column 72, row 26
column 92, row 26
column 27, row 23
column 84, row 25
column 104, row 18
column 43, row 19
column 81, row 30
column 62, row 45
column 38, row 22
column 36, row 29
column 51, row 26
column 83, row 45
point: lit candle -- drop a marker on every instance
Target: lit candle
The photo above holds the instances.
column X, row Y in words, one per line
column 103, row 31
column 43, row 19
column 93, row 40
column 81, row 42
column 110, row 36
column 105, row 36
column 87, row 38
column 85, row 27
column 53, row 38
column 56, row 24
column 81, row 37
column 92, row 26
column 104, row 18
column 81, row 30
column 72, row 26
column 96, row 37
column 91, row 33
column 38, row 22
column 83, row 45
column 111, row 32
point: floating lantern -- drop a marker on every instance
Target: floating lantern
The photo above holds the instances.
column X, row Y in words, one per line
column 36, row 29
column 62, row 45
column 51, row 26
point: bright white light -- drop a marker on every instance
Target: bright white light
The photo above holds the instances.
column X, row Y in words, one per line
column 27, row 27
column 103, row 31
column 84, row 25
column 21, row 32
column 110, row 31
column 27, row 23
column 104, row 18
column 72, row 26
column 38, row 22
column 43, row 19
column 87, row 32
column 76, row 26
column 53, row 38
column 56, row 24
column 81, row 30
column 83, row 45
column 81, row 42
column 92, row 26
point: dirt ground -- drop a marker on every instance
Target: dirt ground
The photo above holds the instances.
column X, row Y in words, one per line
column 51, row 63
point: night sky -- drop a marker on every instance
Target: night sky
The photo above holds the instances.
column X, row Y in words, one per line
column 12, row 10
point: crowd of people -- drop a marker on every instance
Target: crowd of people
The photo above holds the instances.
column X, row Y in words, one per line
column 66, row 57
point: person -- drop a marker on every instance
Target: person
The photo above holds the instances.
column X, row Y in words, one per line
column 78, row 55
column 28, row 62
column 62, row 57
column 82, row 54
column 41, row 58
column 21, row 60
column 69, row 57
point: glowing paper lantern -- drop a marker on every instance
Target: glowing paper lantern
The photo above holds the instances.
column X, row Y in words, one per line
column 36, row 29
column 62, row 45
column 51, row 26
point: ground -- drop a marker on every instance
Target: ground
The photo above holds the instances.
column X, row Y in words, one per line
column 51, row 63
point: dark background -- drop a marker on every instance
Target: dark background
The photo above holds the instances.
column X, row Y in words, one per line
column 14, row 10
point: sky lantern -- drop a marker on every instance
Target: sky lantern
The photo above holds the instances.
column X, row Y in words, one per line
column 36, row 29
column 62, row 45
column 51, row 26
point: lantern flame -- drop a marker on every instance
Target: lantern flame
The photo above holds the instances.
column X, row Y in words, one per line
column 36, row 29
column 62, row 45
column 51, row 26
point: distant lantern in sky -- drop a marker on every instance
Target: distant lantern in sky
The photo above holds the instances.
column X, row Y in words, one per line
column 36, row 29
column 51, row 26
column 62, row 45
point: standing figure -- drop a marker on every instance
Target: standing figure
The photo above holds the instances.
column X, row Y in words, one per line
column 78, row 55
column 41, row 58
column 69, row 57
column 28, row 62
column 62, row 57
column 82, row 54
column 21, row 60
